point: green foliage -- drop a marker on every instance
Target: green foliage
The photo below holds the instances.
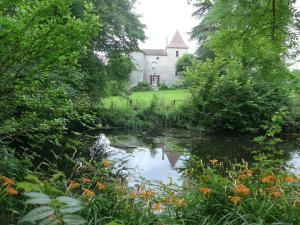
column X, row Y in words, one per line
column 164, row 86
column 234, row 101
column 247, row 77
column 52, row 70
column 60, row 210
column 147, row 109
column 142, row 86
column 183, row 63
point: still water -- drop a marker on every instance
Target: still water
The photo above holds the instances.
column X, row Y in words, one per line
column 160, row 154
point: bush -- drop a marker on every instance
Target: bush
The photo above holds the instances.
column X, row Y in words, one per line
column 142, row 86
column 176, row 86
column 235, row 101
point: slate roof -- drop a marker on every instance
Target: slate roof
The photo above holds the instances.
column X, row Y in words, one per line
column 177, row 41
column 161, row 52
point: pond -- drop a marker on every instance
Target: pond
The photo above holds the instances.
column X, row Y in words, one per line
column 159, row 154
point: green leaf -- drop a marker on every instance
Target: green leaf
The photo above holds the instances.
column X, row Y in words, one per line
column 73, row 220
column 68, row 201
column 72, row 209
column 38, row 214
column 27, row 186
column 48, row 221
column 113, row 223
column 37, row 198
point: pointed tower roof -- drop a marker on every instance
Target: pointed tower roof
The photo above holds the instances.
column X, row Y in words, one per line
column 177, row 41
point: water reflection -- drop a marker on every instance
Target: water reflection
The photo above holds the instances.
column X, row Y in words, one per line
column 158, row 154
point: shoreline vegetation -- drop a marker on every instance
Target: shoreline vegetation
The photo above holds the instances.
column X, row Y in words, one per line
column 60, row 58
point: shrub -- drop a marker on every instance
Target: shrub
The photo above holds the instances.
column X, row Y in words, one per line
column 142, row 86
column 234, row 101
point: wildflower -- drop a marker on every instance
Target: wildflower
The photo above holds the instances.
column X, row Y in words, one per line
column 298, row 175
column 289, row 179
column 242, row 190
column 106, row 163
column 205, row 191
column 268, row 179
column 73, row 185
column 157, row 207
column 86, row 180
column 150, row 194
column 235, row 199
column 88, row 193
column 11, row 191
column 275, row 194
column 143, row 194
column 214, row 162
column 179, row 202
column 101, row 186
column 248, row 172
column 269, row 189
column 133, row 195
column 7, row 181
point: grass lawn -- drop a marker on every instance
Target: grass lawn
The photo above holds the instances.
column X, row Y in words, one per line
column 144, row 98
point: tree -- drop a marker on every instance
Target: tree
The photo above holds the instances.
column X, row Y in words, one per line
column 249, row 42
column 183, row 63
column 49, row 69
column 120, row 33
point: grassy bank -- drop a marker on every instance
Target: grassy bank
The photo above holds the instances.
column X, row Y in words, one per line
column 143, row 98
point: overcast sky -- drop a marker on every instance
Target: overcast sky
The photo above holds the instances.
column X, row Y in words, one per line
column 164, row 17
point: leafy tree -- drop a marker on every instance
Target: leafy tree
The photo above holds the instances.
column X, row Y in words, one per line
column 183, row 63
column 249, row 42
column 50, row 70
column 120, row 33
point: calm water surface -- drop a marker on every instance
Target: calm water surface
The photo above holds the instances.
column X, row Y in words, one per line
column 159, row 154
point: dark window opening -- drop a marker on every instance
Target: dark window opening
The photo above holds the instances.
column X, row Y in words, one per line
column 177, row 53
column 157, row 57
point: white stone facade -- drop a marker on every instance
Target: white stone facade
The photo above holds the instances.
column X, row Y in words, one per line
column 158, row 66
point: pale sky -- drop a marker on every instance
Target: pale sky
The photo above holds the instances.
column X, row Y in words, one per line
column 163, row 17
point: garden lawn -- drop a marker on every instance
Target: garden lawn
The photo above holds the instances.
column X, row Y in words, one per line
column 143, row 99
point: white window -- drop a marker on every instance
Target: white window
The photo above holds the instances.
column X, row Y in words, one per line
column 154, row 67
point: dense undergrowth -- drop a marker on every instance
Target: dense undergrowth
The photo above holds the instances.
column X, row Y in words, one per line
column 91, row 193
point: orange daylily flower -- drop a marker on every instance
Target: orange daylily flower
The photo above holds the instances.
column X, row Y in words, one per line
column 268, row 179
column 179, row 202
column 275, row 194
column 248, row 172
column 133, row 195
column 214, row 161
column 143, row 194
column 88, row 193
column 150, row 194
column 11, row 191
column 86, row 180
column 235, row 199
column 157, row 207
column 106, row 163
column 73, row 185
column 205, row 191
column 101, row 186
column 7, row 181
column 289, row 179
column 242, row 190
